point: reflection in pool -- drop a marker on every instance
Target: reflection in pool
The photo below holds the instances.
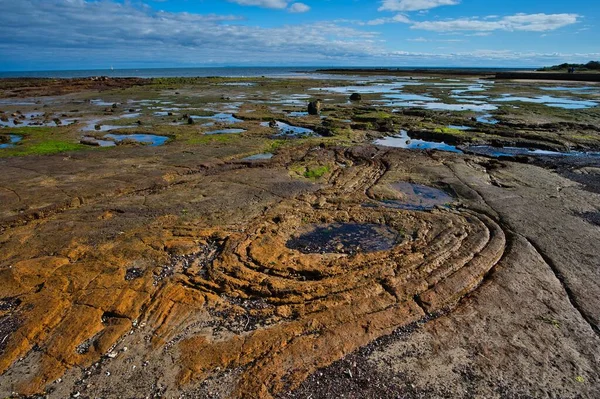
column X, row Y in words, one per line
column 345, row 238
column 417, row 197
column 150, row 139
column 289, row 130
column 404, row 141
column 496, row 152
column 557, row 102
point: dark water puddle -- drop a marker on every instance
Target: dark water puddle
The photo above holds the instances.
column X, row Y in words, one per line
column 418, row 197
column 226, row 131
column 149, row 139
column 289, row 130
column 12, row 140
column 345, row 238
column 404, row 141
column 259, row 157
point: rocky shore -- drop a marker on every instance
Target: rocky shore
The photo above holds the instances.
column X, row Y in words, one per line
column 341, row 236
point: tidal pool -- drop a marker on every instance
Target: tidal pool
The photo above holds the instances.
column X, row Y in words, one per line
column 259, row 157
column 345, row 238
column 31, row 119
column 131, row 115
column 289, row 130
column 404, row 141
column 13, row 139
column 220, row 117
column 572, row 89
column 368, row 89
column 151, row 139
column 418, row 197
column 87, row 140
column 550, row 101
column 102, row 103
column 487, row 119
column 435, row 106
column 96, row 125
column 297, row 114
column 246, row 84
column 496, row 152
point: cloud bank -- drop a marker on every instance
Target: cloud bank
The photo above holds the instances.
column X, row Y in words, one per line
column 82, row 34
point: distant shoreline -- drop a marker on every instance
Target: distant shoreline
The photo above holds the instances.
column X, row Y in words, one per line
column 245, row 72
column 468, row 71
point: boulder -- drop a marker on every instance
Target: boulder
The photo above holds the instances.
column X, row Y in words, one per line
column 385, row 125
column 355, row 97
column 314, row 107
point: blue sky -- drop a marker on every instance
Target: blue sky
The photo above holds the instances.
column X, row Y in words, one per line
column 85, row 34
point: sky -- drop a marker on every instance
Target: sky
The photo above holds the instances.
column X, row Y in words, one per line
column 98, row 34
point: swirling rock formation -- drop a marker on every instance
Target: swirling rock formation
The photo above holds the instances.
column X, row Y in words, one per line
column 286, row 312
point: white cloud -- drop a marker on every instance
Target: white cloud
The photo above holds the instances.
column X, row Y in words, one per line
column 414, row 5
column 111, row 32
column 517, row 22
column 400, row 18
column 279, row 4
column 299, row 8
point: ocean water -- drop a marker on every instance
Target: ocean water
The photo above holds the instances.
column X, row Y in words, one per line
column 205, row 72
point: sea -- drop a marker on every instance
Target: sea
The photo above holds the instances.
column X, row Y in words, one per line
column 219, row 71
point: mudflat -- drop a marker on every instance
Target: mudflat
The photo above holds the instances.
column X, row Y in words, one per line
column 435, row 236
